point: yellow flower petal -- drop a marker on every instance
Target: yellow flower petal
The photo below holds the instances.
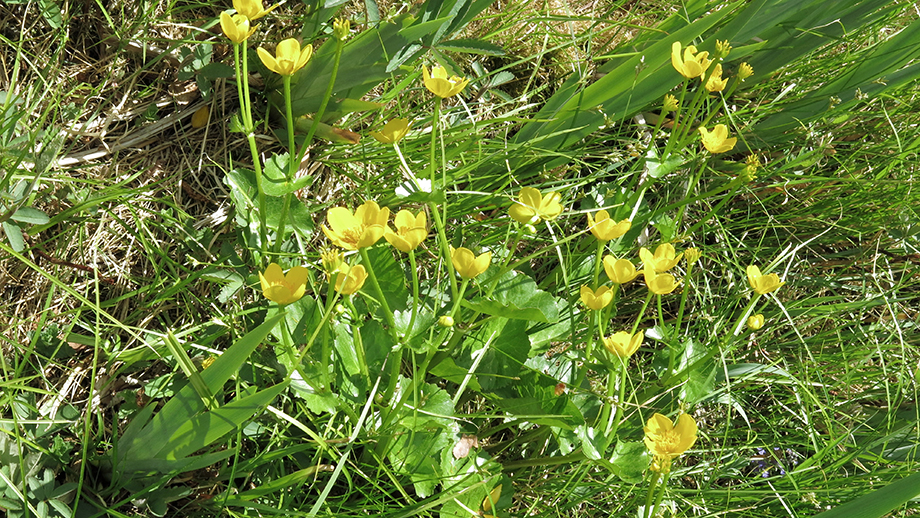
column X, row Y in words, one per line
column 619, row 271
column 596, row 300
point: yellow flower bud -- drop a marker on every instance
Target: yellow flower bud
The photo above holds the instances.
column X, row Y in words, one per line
column 755, row 322
column 446, row 321
column 692, row 255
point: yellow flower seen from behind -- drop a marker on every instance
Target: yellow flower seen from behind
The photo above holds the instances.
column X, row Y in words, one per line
column 468, row 264
column 439, row 84
column 662, row 260
column 604, row 228
column 623, row 344
column 289, row 57
column 715, row 83
column 690, row 64
column 659, row 284
column 236, row 28
column 619, row 271
column 761, row 283
column 251, row 9
column 410, row 231
column 280, row 288
column 349, row 279
column 359, row 230
column 596, row 299
column 717, row 141
column 392, row 132
column 531, row 206
column 667, row 440
column 755, row 322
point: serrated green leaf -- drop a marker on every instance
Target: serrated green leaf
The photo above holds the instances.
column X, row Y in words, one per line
column 471, row 46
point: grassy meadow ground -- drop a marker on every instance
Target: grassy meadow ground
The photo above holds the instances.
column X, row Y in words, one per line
column 147, row 370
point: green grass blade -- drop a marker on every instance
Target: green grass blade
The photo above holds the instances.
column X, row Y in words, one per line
column 879, row 502
column 191, row 372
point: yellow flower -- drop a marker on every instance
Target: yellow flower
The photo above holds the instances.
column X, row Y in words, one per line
column 236, row 27
column 283, row 289
column 715, row 82
column 670, row 103
column 761, row 283
column 659, row 284
column 604, row 228
column 359, row 230
column 467, row 264
column 531, row 206
column 691, row 64
column 349, row 279
column 446, row 321
column 745, row 71
column 717, row 141
column 722, row 48
column 663, row 260
column 493, row 497
column 251, row 9
column 331, row 259
column 289, row 57
column 752, row 164
column 619, row 271
column 755, row 322
column 596, row 300
column 392, row 132
column 668, row 441
column 692, row 255
column 439, row 84
column 410, row 231
column 624, row 344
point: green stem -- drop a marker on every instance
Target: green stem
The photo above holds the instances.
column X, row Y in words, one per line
column 242, row 86
column 387, row 314
column 293, row 165
column 414, row 269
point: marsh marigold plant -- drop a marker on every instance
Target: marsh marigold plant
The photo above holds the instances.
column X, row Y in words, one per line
column 283, row 288
column 359, row 230
column 667, row 440
column 761, row 283
column 438, row 83
column 531, row 206
column 606, row 229
column 289, row 57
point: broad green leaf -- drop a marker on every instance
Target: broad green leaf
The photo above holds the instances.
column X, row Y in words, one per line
column 207, row 427
column 629, row 460
column 30, row 215
column 517, row 296
column 391, row 275
column 275, row 181
column 148, row 443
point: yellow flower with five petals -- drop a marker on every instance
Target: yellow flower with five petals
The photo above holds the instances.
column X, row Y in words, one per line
column 410, row 231
column 349, row 279
column 667, row 440
column 236, row 28
column 289, row 57
column 619, row 271
column 439, row 84
column 659, row 284
column 691, row 64
column 624, row 344
column 604, row 228
column 251, row 9
column 596, row 299
column 531, row 206
column 662, row 260
column 717, row 141
column 761, row 283
column 392, row 132
column 359, row 230
column 468, row 264
column 280, row 288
